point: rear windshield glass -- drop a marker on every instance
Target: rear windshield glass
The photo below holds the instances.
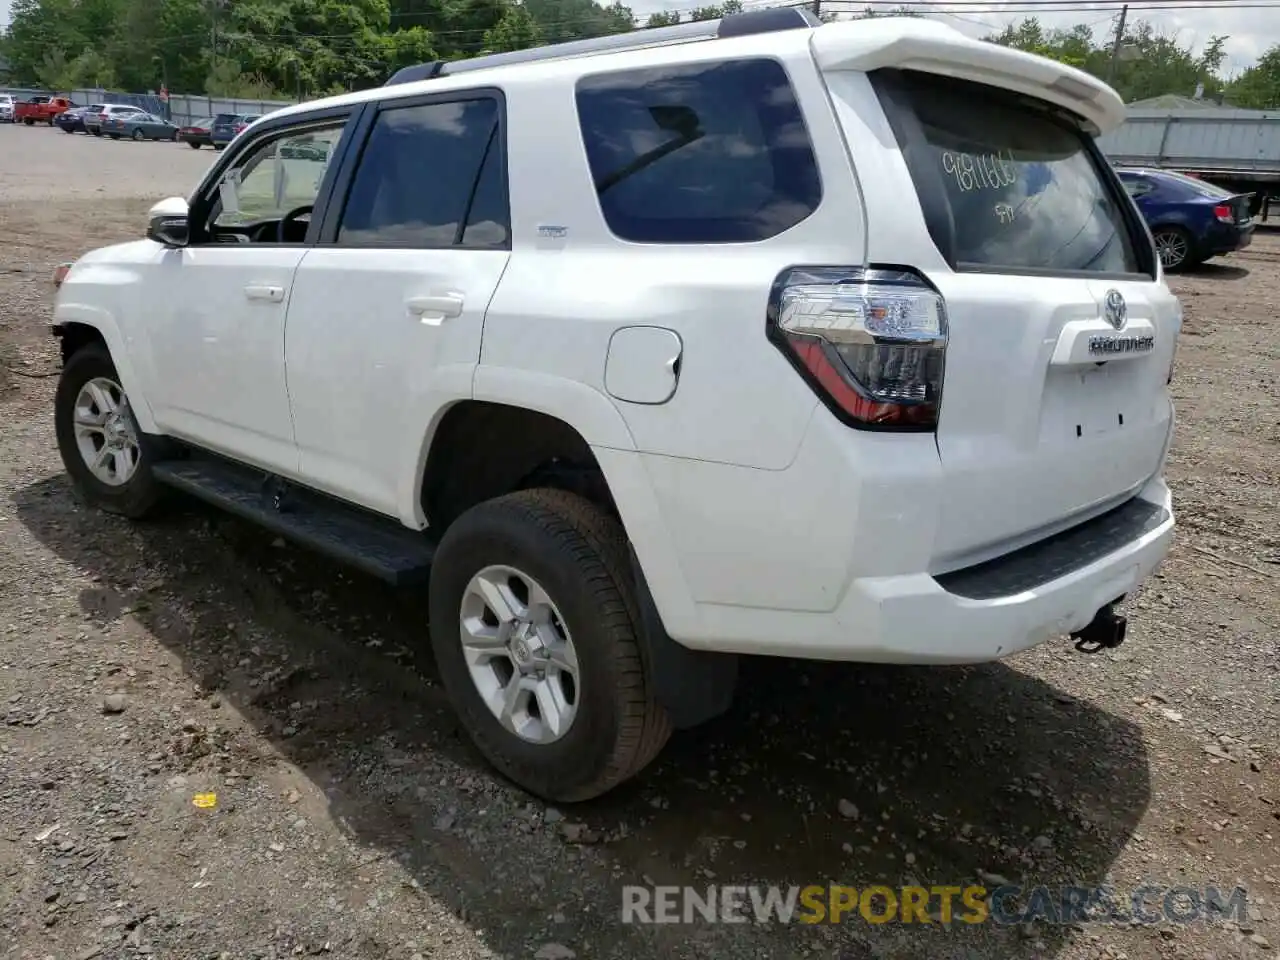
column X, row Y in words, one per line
column 1006, row 184
column 1199, row 186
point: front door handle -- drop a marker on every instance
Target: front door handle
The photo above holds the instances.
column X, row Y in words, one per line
column 435, row 310
column 264, row 291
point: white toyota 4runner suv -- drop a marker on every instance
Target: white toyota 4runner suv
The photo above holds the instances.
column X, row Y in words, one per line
column 749, row 336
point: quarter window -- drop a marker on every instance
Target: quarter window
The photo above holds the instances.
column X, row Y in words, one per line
column 430, row 176
column 708, row 153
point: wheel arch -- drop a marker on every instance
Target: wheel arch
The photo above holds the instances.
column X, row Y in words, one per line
column 481, row 449
column 77, row 325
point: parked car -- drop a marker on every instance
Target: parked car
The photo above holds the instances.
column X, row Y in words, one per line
column 305, row 148
column 7, row 108
column 41, row 109
column 1190, row 220
column 227, row 126
column 71, row 121
column 94, row 119
column 731, row 400
column 197, row 134
column 139, row 126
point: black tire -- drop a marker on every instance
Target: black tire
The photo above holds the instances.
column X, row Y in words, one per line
column 139, row 135
column 193, row 145
column 579, row 555
column 96, row 133
column 1170, row 239
column 67, row 130
column 141, row 493
column 114, row 136
column 29, row 122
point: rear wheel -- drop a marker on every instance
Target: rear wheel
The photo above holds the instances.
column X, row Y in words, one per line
column 1173, row 244
column 105, row 453
column 534, row 628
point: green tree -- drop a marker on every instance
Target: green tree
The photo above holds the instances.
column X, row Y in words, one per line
column 663, row 18
column 1258, row 88
column 515, row 31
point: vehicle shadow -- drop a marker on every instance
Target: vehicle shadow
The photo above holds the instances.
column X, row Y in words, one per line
column 1218, row 271
column 820, row 774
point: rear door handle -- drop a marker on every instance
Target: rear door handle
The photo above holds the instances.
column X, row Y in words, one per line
column 264, row 291
column 435, row 310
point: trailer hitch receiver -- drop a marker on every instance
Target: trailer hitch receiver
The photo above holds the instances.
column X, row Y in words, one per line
column 1104, row 632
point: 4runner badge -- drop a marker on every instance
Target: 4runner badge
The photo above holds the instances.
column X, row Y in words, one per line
column 1115, row 309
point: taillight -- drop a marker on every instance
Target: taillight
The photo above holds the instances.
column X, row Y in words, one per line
column 871, row 342
column 1223, row 212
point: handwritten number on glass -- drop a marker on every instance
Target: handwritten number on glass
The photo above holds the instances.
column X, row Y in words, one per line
column 983, row 171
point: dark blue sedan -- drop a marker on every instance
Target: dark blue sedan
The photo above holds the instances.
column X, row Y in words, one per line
column 1190, row 220
column 227, row 126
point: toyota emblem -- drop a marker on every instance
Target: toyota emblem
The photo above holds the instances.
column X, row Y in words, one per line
column 1116, row 310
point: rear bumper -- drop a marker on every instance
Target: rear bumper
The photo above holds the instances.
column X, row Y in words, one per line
column 964, row 617
column 824, row 563
column 1226, row 238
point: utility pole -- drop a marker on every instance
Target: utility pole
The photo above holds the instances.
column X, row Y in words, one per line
column 1115, row 46
column 213, row 36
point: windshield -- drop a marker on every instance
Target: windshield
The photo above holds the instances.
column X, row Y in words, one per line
column 1006, row 183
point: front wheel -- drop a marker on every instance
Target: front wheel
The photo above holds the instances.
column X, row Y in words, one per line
column 139, row 135
column 29, row 122
column 534, row 626
column 107, row 457
column 1173, row 244
column 193, row 145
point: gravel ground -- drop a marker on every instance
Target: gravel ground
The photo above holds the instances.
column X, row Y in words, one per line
column 144, row 665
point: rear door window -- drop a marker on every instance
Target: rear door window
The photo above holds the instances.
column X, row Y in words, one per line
column 431, row 176
column 1006, row 183
column 707, row 153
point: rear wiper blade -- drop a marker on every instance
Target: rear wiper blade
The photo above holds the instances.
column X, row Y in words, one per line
column 645, row 160
column 680, row 120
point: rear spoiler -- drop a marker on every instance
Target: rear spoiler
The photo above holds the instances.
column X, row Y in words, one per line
column 914, row 43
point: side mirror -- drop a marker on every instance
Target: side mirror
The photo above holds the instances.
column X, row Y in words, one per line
column 167, row 223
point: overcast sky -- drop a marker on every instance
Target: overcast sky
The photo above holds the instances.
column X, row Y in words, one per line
column 1252, row 30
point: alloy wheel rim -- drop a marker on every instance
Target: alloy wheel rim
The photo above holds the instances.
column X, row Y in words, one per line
column 105, row 433
column 520, row 654
column 1172, row 249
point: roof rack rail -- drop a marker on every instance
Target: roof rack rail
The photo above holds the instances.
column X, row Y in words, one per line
column 768, row 20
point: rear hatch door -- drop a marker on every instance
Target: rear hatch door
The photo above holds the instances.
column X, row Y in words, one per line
column 1054, row 405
